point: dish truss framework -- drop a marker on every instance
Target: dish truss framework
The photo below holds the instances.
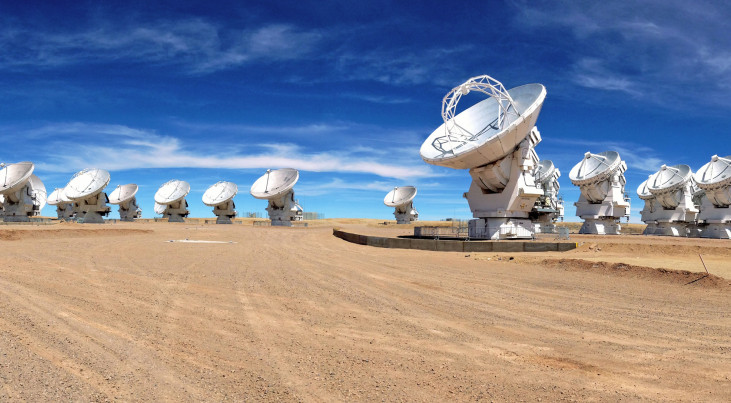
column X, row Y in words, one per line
column 495, row 139
column 603, row 202
column 674, row 188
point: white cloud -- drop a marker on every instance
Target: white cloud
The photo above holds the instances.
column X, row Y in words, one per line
column 199, row 46
column 117, row 147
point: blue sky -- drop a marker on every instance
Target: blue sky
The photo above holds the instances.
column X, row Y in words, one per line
column 346, row 92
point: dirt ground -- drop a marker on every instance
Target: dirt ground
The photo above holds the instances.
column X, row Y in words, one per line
column 115, row 311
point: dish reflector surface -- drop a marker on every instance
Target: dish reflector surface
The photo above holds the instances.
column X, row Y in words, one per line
column 87, row 183
column 474, row 137
column 172, row 191
column 643, row 191
column 159, row 208
column 274, row 183
column 544, row 171
column 220, row 192
column 14, row 176
column 714, row 174
column 123, row 193
column 39, row 191
column 595, row 167
column 57, row 197
column 400, row 196
column 669, row 178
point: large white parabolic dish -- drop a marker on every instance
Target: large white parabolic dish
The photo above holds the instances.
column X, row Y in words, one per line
column 715, row 174
column 172, row 191
column 595, row 167
column 57, row 197
column 669, row 179
column 14, row 176
column 219, row 192
column 488, row 143
column 123, row 193
column 274, row 183
column 159, row 208
column 400, row 196
column 87, row 183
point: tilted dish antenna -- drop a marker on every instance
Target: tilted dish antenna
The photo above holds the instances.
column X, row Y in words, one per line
column 673, row 188
column 23, row 194
column 714, row 178
column 600, row 177
column 276, row 187
column 649, row 213
column 401, row 198
column 172, row 195
column 495, row 140
column 220, row 196
column 64, row 205
column 124, row 197
column 159, row 208
column 548, row 207
column 85, row 190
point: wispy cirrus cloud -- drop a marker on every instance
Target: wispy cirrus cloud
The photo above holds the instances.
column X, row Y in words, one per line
column 653, row 50
column 197, row 45
column 119, row 148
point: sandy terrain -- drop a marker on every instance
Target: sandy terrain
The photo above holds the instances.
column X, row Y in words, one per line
column 116, row 312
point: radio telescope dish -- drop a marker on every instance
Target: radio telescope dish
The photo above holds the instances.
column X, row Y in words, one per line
column 673, row 189
column 123, row 193
column 172, row 195
column 401, row 198
column 220, row 196
column 14, row 176
column 487, row 131
column 87, row 183
column 159, row 208
column 595, row 168
column 86, row 190
column 23, row 194
column 276, row 187
column 38, row 192
column 275, row 183
column 172, row 191
column 649, row 213
column 124, row 196
column 64, row 206
column 219, row 193
column 643, row 192
column 548, row 207
column 495, row 140
column 602, row 203
column 714, row 178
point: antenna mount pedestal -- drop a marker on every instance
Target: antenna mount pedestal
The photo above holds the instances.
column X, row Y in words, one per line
column 129, row 210
column 225, row 212
column 283, row 210
column 93, row 209
column 20, row 206
column 177, row 211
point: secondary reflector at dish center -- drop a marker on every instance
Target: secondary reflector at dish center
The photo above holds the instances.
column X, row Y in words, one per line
column 274, row 183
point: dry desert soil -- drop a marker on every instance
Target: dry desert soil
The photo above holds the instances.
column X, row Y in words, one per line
column 116, row 312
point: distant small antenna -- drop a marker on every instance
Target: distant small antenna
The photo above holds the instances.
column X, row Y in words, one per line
column 124, row 197
column 172, row 195
column 401, row 198
column 276, row 187
column 23, row 194
column 220, row 196
column 85, row 189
